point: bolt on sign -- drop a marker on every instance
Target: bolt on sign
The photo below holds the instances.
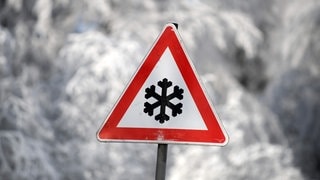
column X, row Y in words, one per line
column 164, row 102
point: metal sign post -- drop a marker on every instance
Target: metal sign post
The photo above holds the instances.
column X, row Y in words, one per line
column 162, row 154
column 161, row 162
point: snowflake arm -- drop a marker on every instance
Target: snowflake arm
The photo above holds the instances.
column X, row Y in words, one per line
column 177, row 93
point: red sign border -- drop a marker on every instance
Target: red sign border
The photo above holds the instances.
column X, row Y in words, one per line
column 215, row 135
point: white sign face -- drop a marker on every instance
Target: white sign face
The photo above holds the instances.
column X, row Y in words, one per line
column 190, row 117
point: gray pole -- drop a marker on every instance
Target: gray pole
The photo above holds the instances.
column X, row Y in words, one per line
column 161, row 161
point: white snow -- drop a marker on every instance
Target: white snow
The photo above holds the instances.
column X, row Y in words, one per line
column 64, row 64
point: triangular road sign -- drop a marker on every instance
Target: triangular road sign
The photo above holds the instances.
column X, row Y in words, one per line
column 164, row 101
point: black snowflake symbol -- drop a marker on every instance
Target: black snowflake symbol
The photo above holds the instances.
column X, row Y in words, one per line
column 163, row 100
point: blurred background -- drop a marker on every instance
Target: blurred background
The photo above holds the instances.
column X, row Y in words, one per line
column 64, row 63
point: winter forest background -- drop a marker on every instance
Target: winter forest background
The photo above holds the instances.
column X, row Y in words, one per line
column 63, row 64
